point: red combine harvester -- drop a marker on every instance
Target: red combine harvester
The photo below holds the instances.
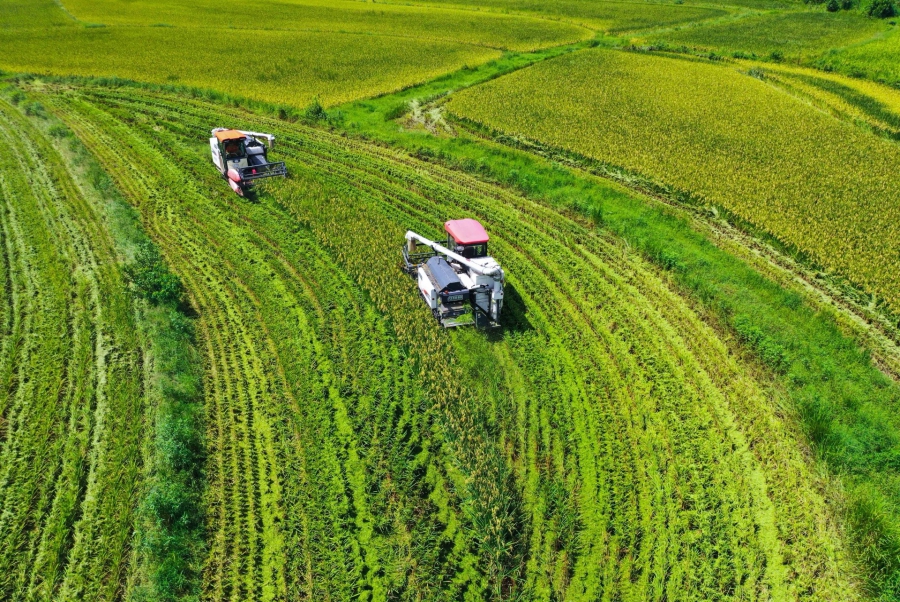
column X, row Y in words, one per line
column 461, row 284
column 242, row 158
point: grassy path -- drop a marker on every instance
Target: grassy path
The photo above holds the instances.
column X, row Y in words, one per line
column 605, row 444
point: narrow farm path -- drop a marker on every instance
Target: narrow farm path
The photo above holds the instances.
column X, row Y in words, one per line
column 604, row 443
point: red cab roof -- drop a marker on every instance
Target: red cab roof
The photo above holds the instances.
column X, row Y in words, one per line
column 466, row 231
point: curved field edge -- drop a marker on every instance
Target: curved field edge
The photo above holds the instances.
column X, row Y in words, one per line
column 810, row 164
column 539, row 456
column 803, row 36
column 871, row 106
column 819, row 321
column 867, row 105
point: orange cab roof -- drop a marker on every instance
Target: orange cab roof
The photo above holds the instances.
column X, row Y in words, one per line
column 224, row 135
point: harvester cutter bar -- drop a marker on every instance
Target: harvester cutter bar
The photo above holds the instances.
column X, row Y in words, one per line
column 266, row 170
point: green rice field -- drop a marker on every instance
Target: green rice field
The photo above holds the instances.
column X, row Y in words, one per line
column 691, row 392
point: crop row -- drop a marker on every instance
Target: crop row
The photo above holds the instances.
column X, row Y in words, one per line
column 606, row 444
column 72, row 398
column 821, row 186
column 294, row 316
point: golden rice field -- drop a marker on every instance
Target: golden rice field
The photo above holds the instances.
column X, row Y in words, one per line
column 503, row 31
column 357, row 65
column 857, row 100
column 815, row 182
column 289, row 53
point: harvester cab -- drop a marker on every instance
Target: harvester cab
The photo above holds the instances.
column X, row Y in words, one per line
column 460, row 283
column 242, row 157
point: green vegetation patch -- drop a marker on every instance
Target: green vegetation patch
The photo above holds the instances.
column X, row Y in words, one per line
column 15, row 14
column 821, row 185
column 876, row 60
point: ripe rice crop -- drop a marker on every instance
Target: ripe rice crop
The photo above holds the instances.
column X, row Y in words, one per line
column 815, row 182
column 288, row 53
column 607, row 16
column 286, row 67
column 854, row 99
column 796, row 35
column 605, row 443
column 510, row 32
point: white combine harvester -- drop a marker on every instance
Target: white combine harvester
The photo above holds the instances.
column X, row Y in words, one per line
column 242, row 159
column 460, row 283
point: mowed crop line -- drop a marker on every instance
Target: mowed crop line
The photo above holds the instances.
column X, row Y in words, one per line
column 245, row 541
column 179, row 227
column 643, row 453
column 76, row 492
